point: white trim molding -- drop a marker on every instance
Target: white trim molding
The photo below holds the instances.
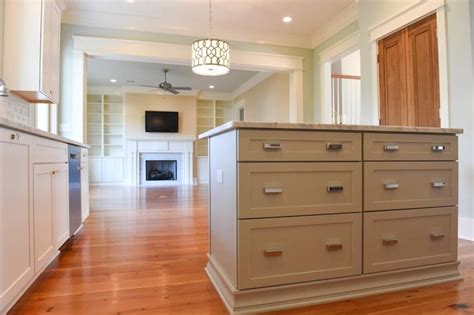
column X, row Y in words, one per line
column 466, row 228
column 326, row 57
column 409, row 15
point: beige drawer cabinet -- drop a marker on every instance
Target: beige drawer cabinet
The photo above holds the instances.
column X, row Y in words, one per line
column 288, row 189
column 265, row 145
column 410, row 147
column 289, row 250
column 405, row 185
column 314, row 213
column 409, row 238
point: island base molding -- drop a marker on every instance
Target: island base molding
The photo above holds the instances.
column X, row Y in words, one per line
column 324, row 291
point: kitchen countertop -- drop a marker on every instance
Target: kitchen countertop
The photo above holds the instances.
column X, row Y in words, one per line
column 231, row 125
column 5, row 123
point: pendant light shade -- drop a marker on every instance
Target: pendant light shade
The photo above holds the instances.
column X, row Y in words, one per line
column 210, row 57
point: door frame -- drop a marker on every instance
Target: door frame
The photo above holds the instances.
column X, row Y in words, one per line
column 407, row 16
column 343, row 47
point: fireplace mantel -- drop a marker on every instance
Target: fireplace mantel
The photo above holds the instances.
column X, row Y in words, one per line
column 136, row 147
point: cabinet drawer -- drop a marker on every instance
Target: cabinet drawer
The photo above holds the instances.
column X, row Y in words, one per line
column 48, row 151
column 409, row 238
column 289, row 250
column 287, row 189
column 270, row 145
column 404, row 185
column 405, row 147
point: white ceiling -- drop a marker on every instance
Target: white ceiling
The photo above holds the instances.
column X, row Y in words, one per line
column 101, row 71
column 242, row 20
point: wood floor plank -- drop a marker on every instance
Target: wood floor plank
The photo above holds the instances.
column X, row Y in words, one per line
column 143, row 251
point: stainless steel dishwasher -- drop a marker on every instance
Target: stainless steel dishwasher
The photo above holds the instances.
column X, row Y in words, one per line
column 75, row 210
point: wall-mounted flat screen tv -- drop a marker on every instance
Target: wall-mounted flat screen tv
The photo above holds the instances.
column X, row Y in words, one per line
column 161, row 121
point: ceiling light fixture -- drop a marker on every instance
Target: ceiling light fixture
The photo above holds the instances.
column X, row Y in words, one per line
column 211, row 86
column 287, row 19
column 113, row 80
column 210, row 56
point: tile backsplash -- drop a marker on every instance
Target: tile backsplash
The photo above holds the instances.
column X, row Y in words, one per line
column 15, row 109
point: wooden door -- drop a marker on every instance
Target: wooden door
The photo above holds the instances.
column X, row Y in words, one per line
column 408, row 76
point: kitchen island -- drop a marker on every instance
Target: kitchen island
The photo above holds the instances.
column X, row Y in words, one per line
column 301, row 214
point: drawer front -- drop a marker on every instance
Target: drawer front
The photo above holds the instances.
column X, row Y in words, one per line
column 48, row 151
column 271, row 145
column 289, row 250
column 409, row 238
column 404, row 185
column 287, row 189
column 406, row 147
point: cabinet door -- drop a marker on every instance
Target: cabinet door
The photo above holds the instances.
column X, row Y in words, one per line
column 95, row 170
column 112, row 170
column 43, row 214
column 85, row 190
column 50, row 50
column 60, row 204
column 16, row 267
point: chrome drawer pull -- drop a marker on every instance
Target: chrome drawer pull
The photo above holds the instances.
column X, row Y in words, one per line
column 335, row 188
column 273, row 190
column 333, row 146
column 438, row 184
column 391, row 147
column 272, row 252
column 389, row 241
column 437, row 236
column 334, row 246
column 437, row 148
column 272, row 146
column 391, row 186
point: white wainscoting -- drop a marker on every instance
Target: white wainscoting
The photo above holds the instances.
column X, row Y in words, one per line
column 136, row 147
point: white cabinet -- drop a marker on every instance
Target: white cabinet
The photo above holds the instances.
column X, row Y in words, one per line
column 32, row 57
column 106, row 169
column 60, row 202
column 16, row 255
column 84, row 184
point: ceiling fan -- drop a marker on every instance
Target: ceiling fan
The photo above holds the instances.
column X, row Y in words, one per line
column 168, row 87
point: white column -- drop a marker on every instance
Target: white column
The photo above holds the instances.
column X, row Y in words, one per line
column 78, row 123
column 296, row 97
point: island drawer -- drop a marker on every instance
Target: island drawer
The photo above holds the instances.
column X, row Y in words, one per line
column 409, row 238
column 271, row 145
column 49, row 151
column 403, row 185
column 288, row 189
column 290, row 250
column 410, row 147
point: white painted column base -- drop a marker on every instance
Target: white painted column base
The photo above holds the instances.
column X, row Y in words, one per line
column 466, row 228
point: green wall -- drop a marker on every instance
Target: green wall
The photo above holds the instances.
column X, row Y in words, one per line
column 67, row 31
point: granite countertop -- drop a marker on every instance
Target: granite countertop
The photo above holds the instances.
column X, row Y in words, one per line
column 231, row 125
column 5, row 123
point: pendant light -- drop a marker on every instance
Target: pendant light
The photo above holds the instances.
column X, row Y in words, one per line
column 210, row 56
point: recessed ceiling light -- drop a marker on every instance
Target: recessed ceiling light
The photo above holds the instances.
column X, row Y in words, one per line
column 211, row 86
column 130, row 1
column 287, row 19
column 113, row 80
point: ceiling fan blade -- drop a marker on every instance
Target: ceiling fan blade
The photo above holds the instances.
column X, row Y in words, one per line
column 149, row 86
column 184, row 88
column 172, row 90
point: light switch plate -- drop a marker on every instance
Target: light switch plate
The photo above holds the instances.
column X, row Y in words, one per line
column 220, row 176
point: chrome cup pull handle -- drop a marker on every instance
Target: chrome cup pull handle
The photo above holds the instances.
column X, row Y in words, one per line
column 272, row 252
column 438, row 184
column 334, row 246
column 272, row 146
column 438, row 148
column 437, row 236
column 333, row 146
column 391, row 147
column 269, row 190
column 389, row 241
column 335, row 188
column 390, row 186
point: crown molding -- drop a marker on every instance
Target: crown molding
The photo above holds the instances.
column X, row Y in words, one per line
column 343, row 19
column 123, row 89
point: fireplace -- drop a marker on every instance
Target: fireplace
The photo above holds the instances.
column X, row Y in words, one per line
column 161, row 170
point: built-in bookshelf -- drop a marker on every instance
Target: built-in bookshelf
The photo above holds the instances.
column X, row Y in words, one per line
column 105, row 132
column 210, row 114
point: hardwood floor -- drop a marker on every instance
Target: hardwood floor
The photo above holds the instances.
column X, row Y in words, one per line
column 143, row 251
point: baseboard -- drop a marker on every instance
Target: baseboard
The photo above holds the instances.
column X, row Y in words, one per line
column 282, row 297
column 466, row 228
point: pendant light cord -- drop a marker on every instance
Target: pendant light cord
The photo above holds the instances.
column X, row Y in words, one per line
column 210, row 19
